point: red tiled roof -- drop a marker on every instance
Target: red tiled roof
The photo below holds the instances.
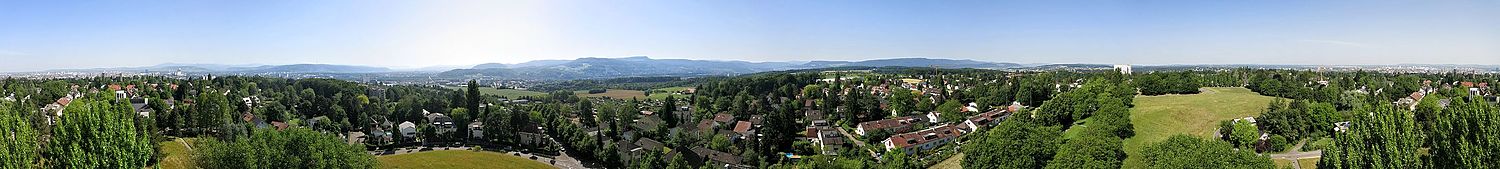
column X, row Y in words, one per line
column 920, row 137
column 64, row 101
column 742, row 127
column 114, row 87
column 1466, row 84
column 888, row 123
column 280, row 125
column 723, row 118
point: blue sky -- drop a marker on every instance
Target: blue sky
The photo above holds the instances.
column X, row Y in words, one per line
column 37, row 35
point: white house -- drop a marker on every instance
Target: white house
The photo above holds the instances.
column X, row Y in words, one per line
column 407, row 129
column 476, row 130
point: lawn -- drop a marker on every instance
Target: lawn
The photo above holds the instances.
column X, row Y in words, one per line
column 1306, row 163
column 458, row 159
column 615, row 93
column 177, row 155
column 955, row 162
column 507, row 93
column 1158, row 117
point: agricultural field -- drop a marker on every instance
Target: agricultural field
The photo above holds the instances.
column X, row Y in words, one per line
column 507, row 93
column 614, row 93
column 1158, row 117
column 458, row 159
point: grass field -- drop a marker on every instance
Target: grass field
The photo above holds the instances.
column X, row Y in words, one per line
column 178, row 155
column 1158, row 117
column 615, row 93
column 955, row 162
column 458, row 159
column 507, row 93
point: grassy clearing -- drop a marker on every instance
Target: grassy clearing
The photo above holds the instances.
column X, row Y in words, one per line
column 1308, row 163
column 177, row 155
column 458, row 159
column 615, row 93
column 955, row 162
column 1158, row 117
column 508, row 93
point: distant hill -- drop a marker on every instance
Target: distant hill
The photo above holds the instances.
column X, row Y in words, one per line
column 910, row 62
column 518, row 65
column 584, row 68
column 316, row 68
column 295, row 68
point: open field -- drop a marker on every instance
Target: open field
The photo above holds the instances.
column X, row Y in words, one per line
column 508, row 93
column 177, row 155
column 458, row 159
column 1158, row 117
column 615, row 93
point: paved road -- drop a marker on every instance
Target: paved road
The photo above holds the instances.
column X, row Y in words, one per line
column 857, row 142
column 1298, row 155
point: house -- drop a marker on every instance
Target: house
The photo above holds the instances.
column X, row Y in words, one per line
column 744, row 129
column 717, row 159
column 647, row 123
column 476, row 129
column 442, row 123
column 922, row 140
column 900, row 124
column 138, row 105
column 812, row 115
column 407, row 129
column 982, row 120
column 648, row 144
column 723, row 118
column 1341, row 126
column 829, row 139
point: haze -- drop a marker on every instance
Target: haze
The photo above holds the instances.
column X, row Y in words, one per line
column 41, row 35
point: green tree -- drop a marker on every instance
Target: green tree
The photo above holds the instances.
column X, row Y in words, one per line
column 898, row 159
column 1015, row 143
column 1245, row 134
column 211, row 110
column 98, row 131
column 17, row 138
column 951, row 111
column 1385, row 137
column 474, row 99
column 1463, row 135
column 1183, row 151
column 1098, row 150
column 292, row 148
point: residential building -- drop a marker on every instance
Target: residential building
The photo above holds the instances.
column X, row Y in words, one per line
column 922, row 140
column 896, row 125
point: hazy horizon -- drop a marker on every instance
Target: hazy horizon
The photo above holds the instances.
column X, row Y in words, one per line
column 46, row 35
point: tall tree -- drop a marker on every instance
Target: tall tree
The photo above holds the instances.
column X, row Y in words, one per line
column 474, row 99
column 669, row 105
column 17, row 138
column 212, row 110
column 1385, row 137
column 98, row 131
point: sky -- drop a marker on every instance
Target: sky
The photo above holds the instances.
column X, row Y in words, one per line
column 41, row 35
